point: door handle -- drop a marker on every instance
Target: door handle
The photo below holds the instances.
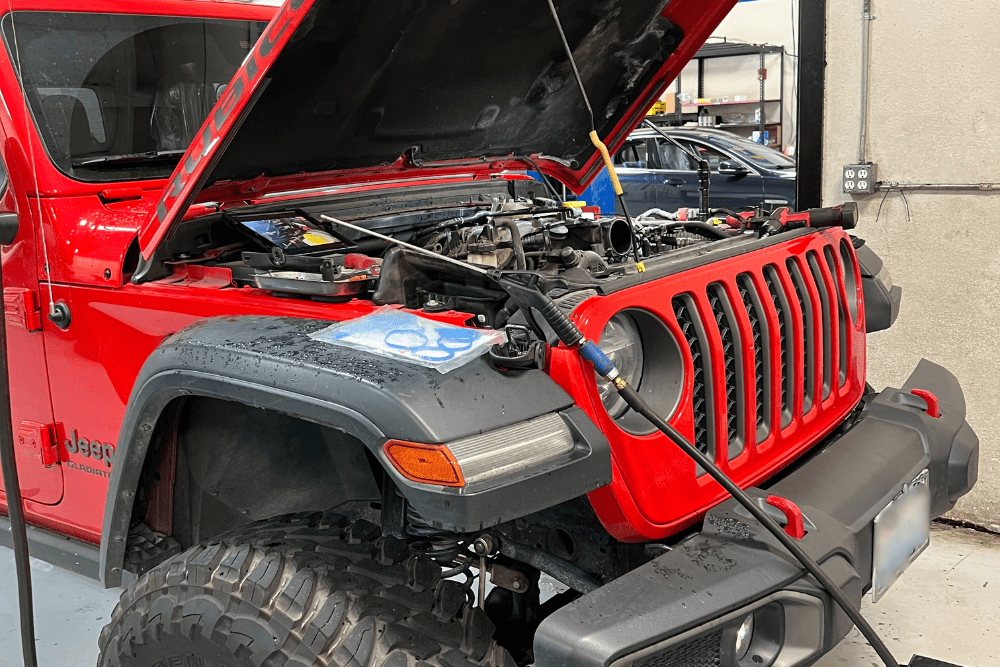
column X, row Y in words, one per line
column 675, row 181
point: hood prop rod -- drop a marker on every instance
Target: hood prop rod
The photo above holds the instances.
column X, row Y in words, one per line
column 404, row 244
column 704, row 171
column 596, row 139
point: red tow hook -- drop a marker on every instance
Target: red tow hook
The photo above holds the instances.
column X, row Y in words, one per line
column 933, row 407
column 793, row 516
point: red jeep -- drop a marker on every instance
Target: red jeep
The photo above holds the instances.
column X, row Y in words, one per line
column 189, row 425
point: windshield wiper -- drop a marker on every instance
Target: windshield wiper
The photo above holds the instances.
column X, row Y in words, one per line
column 128, row 158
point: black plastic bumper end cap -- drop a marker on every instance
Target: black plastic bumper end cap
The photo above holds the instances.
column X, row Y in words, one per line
column 921, row 661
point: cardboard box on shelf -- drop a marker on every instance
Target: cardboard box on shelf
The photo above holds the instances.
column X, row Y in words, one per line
column 665, row 105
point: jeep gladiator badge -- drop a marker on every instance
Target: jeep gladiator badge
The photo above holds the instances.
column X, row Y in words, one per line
column 91, row 448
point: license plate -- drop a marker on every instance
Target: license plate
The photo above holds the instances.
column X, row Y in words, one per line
column 902, row 532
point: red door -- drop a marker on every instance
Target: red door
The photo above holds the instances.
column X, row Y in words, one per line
column 35, row 444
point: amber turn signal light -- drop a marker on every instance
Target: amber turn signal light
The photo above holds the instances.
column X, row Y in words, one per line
column 427, row 464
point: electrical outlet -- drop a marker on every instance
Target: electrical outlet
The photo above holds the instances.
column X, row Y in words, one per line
column 859, row 179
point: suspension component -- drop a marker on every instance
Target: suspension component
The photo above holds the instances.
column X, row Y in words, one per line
column 507, row 578
column 486, row 545
column 442, row 546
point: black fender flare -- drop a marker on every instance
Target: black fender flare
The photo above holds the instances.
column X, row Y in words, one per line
column 272, row 363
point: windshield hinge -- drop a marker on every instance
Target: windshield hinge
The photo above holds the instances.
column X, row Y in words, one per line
column 37, row 439
column 20, row 306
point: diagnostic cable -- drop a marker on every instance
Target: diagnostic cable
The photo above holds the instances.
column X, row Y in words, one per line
column 15, row 507
column 529, row 293
column 528, row 290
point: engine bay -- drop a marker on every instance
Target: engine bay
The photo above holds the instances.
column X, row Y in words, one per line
column 294, row 253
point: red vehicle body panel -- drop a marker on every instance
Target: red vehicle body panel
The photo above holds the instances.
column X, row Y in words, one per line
column 78, row 381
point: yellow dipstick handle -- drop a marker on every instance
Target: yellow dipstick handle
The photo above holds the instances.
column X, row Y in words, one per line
column 596, row 140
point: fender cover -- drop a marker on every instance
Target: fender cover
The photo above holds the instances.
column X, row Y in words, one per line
column 271, row 363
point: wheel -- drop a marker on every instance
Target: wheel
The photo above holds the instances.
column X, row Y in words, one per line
column 306, row 589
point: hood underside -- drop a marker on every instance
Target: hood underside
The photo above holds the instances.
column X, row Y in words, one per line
column 444, row 80
column 336, row 86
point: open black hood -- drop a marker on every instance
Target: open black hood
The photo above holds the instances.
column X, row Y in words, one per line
column 369, row 81
column 335, row 86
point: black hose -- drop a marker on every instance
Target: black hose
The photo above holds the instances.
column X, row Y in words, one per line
column 458, row 221
column 636, row 403
column 515, row 237
column 727, row 211
column 15, row 509
column 695, row 227
column 706, row 229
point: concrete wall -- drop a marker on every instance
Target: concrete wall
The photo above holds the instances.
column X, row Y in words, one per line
column 932, row 89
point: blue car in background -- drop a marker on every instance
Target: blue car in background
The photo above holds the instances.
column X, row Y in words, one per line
column 656, row 173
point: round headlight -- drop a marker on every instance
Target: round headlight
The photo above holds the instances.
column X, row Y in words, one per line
column 621, row 341
column 744, row 636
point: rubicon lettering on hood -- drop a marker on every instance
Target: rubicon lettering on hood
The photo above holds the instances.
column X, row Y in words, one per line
column 182, row 187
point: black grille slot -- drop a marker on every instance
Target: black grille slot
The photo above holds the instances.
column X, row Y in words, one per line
column 827, row 328
column 837, row 271
column 732, row 357
column 787, row 349
column 806, row 340
column 761, row 355
column 703, row 651
column 686, row 316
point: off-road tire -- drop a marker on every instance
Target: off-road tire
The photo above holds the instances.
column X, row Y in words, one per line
column 306, row 589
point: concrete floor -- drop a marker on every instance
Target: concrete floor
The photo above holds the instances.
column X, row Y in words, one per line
column 946, row 606
column 70, row 611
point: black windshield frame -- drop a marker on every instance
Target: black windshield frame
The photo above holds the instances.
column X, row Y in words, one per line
column 122, row 85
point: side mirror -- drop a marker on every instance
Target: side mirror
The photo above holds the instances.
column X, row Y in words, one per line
column 732, row 168
column 8, row 228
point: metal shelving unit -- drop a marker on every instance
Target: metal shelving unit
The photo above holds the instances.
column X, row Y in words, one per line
column 691, row 110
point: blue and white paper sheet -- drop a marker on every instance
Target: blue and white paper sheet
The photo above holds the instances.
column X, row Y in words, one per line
column 403, row 336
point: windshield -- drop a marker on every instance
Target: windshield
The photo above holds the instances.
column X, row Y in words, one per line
column 119, row 97
column 758, row 154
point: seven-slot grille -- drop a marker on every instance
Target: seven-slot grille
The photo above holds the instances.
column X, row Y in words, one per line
column 775, row 340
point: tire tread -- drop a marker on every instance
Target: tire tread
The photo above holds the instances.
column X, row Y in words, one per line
column 309, row 589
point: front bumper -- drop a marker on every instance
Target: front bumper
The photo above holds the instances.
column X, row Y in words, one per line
column 683, row 606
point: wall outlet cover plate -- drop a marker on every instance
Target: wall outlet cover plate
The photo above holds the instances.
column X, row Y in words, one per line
column 860, row 179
